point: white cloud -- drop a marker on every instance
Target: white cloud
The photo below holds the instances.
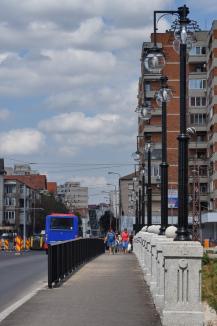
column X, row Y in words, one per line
column 21, row 141
column 41, row 55
column 73, row 132
column 55, row 71
column 4, row 114
column 67, row 12
column 113, row 99
column 72, row 61
column 77, row 122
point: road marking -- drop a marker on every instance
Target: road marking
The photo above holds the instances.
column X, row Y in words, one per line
column 5, row 313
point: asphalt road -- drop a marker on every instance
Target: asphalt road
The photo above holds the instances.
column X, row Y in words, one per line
column 20, row 274
column 109, row 290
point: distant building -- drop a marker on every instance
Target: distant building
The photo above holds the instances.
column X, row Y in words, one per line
column 127, row 197
column 74, row 197
column 95, row 213
column 23, row 169
column 52, row 187
column 18, row 196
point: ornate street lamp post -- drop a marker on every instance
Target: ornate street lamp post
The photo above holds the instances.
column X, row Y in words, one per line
column 144, row 113
column 183, row 32
column 137, row 157
column 148, row 149
column 162, row 97
column 143, row 195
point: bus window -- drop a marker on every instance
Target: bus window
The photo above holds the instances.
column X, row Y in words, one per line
column 61, row 223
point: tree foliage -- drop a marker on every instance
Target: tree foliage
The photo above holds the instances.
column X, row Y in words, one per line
column 47, row 204
column 105, row 221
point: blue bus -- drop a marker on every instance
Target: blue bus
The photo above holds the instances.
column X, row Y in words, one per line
column 61, row 227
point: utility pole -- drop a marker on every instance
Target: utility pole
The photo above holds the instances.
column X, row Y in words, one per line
column 24, row 221
column 116, row 210
column 196, row 205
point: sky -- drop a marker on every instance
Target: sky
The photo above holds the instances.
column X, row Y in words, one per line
column 69, row 73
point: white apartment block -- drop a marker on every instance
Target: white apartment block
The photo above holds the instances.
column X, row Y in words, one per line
column 73, row 195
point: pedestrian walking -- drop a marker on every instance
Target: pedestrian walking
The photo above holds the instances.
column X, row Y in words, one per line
column 125, row 240
column 119, row 242
column 131, row 242
column 110, row 238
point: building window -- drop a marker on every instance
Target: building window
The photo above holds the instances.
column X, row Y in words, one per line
column 147, row 86
column 201, row 138
column 203, row 187
column 198, row 50
column 155, row 171
column 203, row 171
column 155, row 155
column 10, row 189
column 9, row 215
column 198, row 101
column 198, row 119
column 197, row 83
column 130, row 186
column 21, row 203
column 201, row 154
column 10, row 201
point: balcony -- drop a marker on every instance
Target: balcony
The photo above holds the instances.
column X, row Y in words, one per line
column 155, row 179
column 197, row 58
column 148, row 76
column 202, row 179
column 150, row 94
column 156, row 196
column 198, row 144
column 202, row 127
column 199, row 161
column 153, row 128
column 199, row 109
column 198, row 73
column 156, row 112
column 204, row 197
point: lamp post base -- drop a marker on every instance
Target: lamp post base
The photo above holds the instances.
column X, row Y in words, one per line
column 182, row 235
column 137, row 227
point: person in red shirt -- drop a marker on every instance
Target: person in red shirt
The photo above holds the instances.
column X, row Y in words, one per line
column 125, row 240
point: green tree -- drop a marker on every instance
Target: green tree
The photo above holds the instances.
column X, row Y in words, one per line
column 105, row 221
column 48, row 204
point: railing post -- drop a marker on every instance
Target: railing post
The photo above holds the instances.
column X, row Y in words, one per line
column 50, row 267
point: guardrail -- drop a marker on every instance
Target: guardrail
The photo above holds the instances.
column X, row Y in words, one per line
column 65, row 256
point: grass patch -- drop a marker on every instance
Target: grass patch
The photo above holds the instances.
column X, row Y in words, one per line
column 209, row 281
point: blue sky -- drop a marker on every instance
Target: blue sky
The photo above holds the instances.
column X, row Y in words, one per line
column 68, row 83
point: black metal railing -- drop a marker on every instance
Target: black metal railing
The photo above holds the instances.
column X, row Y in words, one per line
column 65, row 256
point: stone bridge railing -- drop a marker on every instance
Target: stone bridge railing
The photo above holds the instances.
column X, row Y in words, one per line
column 172, row 270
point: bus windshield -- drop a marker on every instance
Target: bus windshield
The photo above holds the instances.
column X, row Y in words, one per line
column 61, row 223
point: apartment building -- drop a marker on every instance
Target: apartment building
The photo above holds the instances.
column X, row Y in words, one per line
column 20, row 195
column 128, row 194
column 20, row 190
column 95, row 213
column 74, row 196
column 201, row 114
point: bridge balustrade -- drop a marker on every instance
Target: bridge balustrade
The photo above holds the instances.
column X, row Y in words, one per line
column 66, row 256
column 172, row 269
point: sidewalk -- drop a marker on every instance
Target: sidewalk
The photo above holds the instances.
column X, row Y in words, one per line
column 107, row 291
